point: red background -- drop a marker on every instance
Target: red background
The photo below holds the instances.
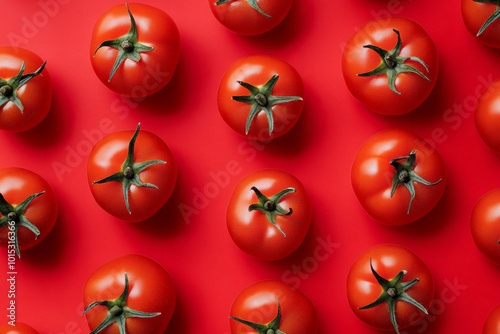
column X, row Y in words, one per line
column 207, row 268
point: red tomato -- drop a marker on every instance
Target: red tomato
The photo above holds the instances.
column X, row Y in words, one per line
column 24, row 102
column 136, row 290
column 399, row 280
column 131, row 184
column 485, row 225
column 399, row 82
column 261, row 97
column 492, row 323
column 269, row 214
column 27, row 204
column 135, row 53
column 19, row 328
column 277, row 306
column 480, row 18
column 487, row 116
column 388, row 168
column 250, row 17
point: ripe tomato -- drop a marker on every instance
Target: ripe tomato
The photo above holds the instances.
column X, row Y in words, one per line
column 485, row 225
column 131, row 174
column 390, row 65
column 25, row 89
column 487, row 116
column 134, row 49
column 389, row 287
column 398, row 177
column 273, row 307
column 261, row 97
column 19, row 328
column 480, row 18
column 492, row 323
column 269, row 214
column 131, row 291
column 28, row 209
column 250, row 17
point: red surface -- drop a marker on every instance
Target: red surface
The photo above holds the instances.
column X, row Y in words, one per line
column 206, row 267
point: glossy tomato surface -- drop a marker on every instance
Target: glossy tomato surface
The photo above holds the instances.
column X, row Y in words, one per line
column 485, row 225
column 240, row 17
column 258, row 303
column 107, row 158
column 373, row 91
column 155, row 69
column 151, row 290
column 35, row 95
column 487, row 116
column 16, row 185
column 475, row 14
column 257, row 71
column 372, row 177
column 252, row 231
column 19, row 328
column 492, row 323
column 388, row 261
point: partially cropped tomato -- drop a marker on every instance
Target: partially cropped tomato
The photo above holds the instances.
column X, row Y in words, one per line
column 390, row 65
column 398, row 177
column 250, row 17
column 487, row 116
column 131, row 294
column 131, row 174
column 25, row 89
column 261, row 97
column 273, row 307
column 492, row 323
column 134, row 49
column 485, row 225
column 19, row 328
column 28, row 209
column 389, row 287
column 481, row 19
column 269, row 214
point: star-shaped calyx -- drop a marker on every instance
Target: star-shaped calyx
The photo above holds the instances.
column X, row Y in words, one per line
column 261, row 98
column 392, row 64
column 492, row 18
column 128, row 46
column 269, row 328
column 252, row 3
column 129, row 175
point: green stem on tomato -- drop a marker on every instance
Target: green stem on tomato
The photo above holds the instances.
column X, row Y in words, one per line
column 492, row 18
column 252, row 3
column 269, row 328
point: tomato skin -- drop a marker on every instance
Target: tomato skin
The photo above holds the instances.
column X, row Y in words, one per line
column 257, row 70
column 17, row 184
column 388, row 261
column 241, row 18
column 151, row 290
column 155, row 69
column 492, row 323
column 474, row 15
column 252, row 232
column 35, row 95
column 485, row 225
column 107, row 157
column 487, row 116
column 371, row 177
column 257, row 303
column 19, row 328
column 373, row 91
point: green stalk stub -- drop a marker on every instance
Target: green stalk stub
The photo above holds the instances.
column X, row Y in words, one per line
column 118, row 311
column 270, row 328
column 394, row 291
column 9, row 87
column 261, row 99
column 405, row 175
column 270, row 206
column 14, row 216
column 127, row 46
column 129, row 175
column 492, row 18
column 252, row 3
column 392, row 64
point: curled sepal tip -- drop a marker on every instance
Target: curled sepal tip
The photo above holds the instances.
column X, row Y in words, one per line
column 269, row 328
